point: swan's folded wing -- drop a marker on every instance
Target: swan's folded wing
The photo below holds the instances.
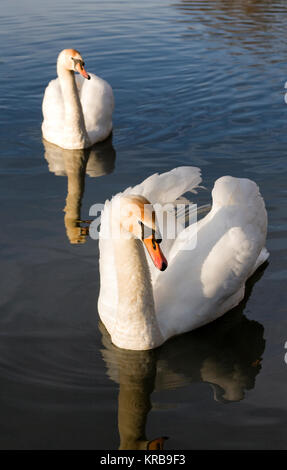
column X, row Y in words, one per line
column 209, row 280
column 97, row 102
column 230, row 261
column 169, row 186
column 53, row 110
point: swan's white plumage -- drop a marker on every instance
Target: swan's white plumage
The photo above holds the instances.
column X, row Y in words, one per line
column 53, row 113
column 97, row 101
column 169, row 186
column 201, row 284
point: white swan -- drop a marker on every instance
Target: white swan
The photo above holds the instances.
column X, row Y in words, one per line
column 141, row 312
column 77, row 113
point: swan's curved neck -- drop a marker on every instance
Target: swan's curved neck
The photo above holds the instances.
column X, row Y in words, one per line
column 74, row 127
column 136, row 326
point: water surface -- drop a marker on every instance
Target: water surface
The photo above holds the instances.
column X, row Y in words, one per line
column 196, row 83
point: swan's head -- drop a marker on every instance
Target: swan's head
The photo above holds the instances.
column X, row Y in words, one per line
column 70, row 59
column 137, row 218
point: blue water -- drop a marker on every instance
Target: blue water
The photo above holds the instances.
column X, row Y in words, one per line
column 196, row 83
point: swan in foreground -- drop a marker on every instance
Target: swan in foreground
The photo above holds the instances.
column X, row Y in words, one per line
column 77, row 110
column 141, row 306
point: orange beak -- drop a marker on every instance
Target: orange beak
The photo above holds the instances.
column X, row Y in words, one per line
column 82, row 71
column 156, row 444
column 155, row 253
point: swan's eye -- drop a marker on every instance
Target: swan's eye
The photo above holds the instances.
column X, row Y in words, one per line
column 78, row 61
column 156, row 241
column 148, row 232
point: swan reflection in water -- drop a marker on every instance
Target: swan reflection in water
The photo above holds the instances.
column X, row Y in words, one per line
column 226, row 355
column 95, row 161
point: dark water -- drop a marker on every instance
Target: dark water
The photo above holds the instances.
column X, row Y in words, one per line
column 196, row 83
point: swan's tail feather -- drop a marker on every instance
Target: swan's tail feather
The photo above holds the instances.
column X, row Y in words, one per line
column 263, row 256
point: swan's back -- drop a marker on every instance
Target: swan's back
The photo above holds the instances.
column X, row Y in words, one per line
column 203, row 283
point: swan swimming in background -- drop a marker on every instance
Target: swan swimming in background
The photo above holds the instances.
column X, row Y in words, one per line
column 77, row 110
column 142, row 307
